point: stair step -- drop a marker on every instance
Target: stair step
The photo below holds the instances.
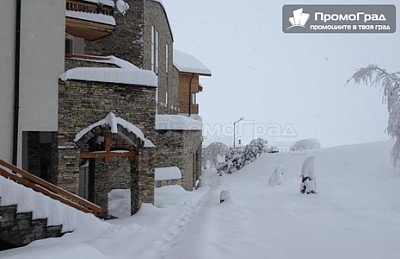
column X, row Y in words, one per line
column 24, row 221
column 39, row 228
column 54, row 231
column 7, row 215
column 19, row 229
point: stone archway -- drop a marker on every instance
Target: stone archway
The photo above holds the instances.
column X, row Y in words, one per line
column 110, row 147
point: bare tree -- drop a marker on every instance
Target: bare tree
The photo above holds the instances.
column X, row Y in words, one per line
column 390, row 83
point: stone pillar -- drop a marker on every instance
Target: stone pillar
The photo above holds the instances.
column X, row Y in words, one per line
column 142, row 173
column 67, row 174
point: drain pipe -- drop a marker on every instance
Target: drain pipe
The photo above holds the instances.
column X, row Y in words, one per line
column 16, row 82
column 190, row 95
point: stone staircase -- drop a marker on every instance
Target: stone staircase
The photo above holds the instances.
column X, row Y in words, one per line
column 19, row 188
column 19, row 229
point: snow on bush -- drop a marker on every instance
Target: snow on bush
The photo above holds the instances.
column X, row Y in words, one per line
column 277, row 177
column 224, row 195
column 237, row 158
column 308, row 181
column 214, row 155
column 306, row 144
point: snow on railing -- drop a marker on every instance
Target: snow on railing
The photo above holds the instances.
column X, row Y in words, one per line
column 39, row 185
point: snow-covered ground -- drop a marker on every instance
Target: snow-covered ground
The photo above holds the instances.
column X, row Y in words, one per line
column 355, row 214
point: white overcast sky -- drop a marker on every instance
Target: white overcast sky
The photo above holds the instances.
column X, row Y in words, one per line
column 297, row 81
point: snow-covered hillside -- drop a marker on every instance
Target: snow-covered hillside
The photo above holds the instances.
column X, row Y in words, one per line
column 355, row 214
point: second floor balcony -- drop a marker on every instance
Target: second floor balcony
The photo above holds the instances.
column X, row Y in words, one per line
column 90, row 19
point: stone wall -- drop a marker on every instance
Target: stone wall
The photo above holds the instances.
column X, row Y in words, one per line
column 127, row 40
column 84, row 103
column 182, row 149
column 155, row 15
column 131, row 41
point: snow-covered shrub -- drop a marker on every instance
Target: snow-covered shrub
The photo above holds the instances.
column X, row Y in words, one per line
column 277, row 177
column 214, row 155
column 306, row 144
column 224, row 195
column 390, row 83
column 237, row 158
column 308, row 179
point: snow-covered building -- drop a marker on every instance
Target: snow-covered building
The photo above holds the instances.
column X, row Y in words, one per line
column 189, row 69
column 31, row 58
column 143, row 36
column 106, row 128
column 96, row 112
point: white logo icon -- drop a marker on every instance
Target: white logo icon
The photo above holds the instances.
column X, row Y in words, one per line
column 299, row 18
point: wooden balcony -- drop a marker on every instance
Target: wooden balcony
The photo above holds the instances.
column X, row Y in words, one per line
column 88, row 19
column 184, row 108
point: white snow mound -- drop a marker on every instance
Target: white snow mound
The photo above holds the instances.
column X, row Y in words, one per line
column 306, row 144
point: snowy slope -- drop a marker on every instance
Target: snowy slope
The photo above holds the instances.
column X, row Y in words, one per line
column 355, row 214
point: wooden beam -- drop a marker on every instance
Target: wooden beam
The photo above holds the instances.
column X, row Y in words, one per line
column 103, row 154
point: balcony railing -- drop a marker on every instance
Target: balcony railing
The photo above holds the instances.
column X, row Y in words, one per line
column 90, row 19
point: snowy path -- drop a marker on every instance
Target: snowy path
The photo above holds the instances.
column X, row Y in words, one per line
column 169, row 239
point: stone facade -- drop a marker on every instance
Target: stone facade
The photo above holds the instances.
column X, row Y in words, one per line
column 132, row 41
column 84, row 103
column 181, row 148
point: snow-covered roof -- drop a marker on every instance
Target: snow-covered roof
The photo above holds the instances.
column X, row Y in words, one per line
column 188, row 64
column 113, row 121
column 167, row 173
column 126, row 73
column 104, row 2
column 177, row 122
column 92, row 17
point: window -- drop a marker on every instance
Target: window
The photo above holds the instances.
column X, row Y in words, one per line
column 68, row 46
column 157, row 100
column 193, row 98
column 156, row 58
column 166, row 58
column 152, row 48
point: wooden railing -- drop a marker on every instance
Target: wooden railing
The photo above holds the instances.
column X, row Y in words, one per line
column 29, row 180
column 88, row 7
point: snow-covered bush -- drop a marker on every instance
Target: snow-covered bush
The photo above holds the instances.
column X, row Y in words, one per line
column 306, row 144
column 308, row 179
column 214, row 155
column 224, row 195
column 237, row 158
column 390, row 83
column 277, row 177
